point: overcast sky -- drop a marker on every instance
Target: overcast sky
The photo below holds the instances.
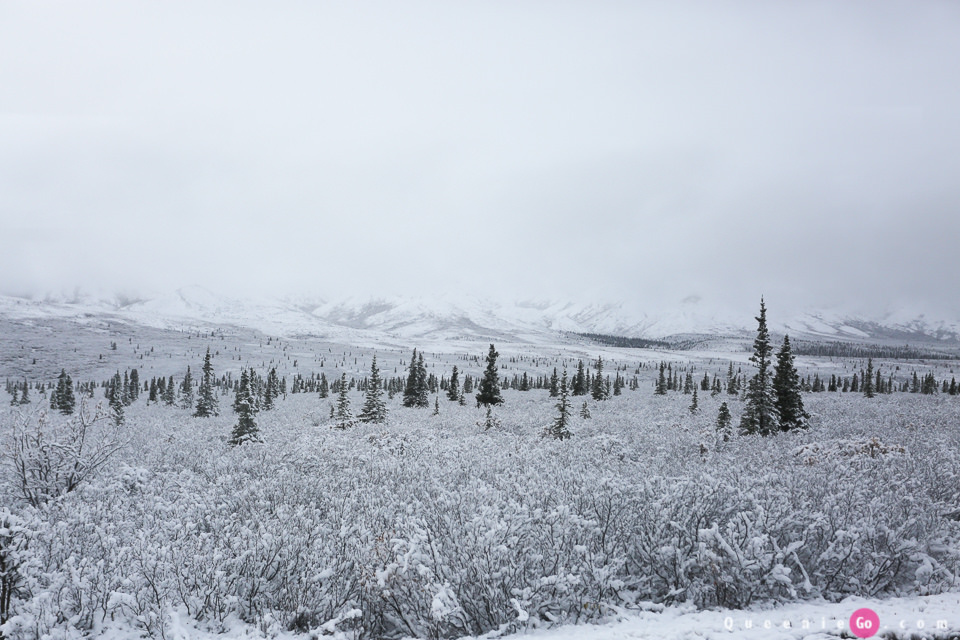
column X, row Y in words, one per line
column 611, row 150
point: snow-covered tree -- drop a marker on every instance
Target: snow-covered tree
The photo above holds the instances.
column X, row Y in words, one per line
column 207, row 404
column 343, row 416
column 374, row 410
column 787, row 391
column 246, row 429
column 560, row 429
column 489, row 392
column 760, row 412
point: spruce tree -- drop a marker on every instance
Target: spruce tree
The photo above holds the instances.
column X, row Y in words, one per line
column 723, row 422
column 246, row 429
column 579, row 381
column 207, row 404
column 25, row 396
column 271, row 390
column 560, row 429
column 554, row 384
column 423, row 386
column 169, row 393
column 453, row 388
column 374, row 410
column 115, row 398
column 410, row 394
column 186, row 391
column 343, row 416
column 489, row 393
column 14, row 400
column 324, row 387
column 760, row 413
column 661, row 388
column 694, row 405
column 786, row 389
column 868, row 390
column 66, row 402
column 599, row 391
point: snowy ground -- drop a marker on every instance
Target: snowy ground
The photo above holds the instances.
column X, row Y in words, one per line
column 433, row 514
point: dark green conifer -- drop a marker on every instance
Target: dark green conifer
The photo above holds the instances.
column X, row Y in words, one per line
column 489, row 392
column 786, row 389
column 760, row 413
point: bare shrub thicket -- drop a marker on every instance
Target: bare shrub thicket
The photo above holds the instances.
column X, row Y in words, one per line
column 440, row 529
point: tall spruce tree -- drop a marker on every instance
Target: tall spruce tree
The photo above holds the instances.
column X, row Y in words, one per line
column 271, row 390
column 661, row 388
column 169, row 392
column 489, row 392
column 246, row 429
column 868, row 388
column 599, row 391
column 410, row 394
column 579, row 381
column 374, row 410
column 560, row 429
column 554, row 384
column 723, row 422
column 423, row 386
column 760, row 413
column 343, row 416
column 453, row 387
column 25, row 397
column 66, row 401
column 186, row 391
column 207, row 405
column 787, row 388
column 115, row 399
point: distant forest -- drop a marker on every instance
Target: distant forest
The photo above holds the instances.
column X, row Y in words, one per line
column 623, row 341
column 859, row 350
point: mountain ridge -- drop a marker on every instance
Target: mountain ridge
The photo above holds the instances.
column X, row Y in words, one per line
column 473, row 318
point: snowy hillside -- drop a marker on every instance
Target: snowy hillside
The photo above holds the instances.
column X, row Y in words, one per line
column 452, row 318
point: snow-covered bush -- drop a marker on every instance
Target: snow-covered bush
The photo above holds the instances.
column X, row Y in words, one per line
column 429, row 527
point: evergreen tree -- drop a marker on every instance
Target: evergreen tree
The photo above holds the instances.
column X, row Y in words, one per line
column 489, row 393
column 343, row 415
column 374, row 410
column 694, row 405
column 661, row 389
column 579, row 381
column 153, row 391
column 436, row 405
column 554, row 384
column 410, row 391
column 246, row 429
column 66, row 402
column 423, row 383
column 599, row 390
column 786, row 388
column 115, row 398
column 25, row 396
column 453, row 387
column 868, row 390
column 207, row 404
column 324, row 387
column 723, row 422
column 560, row 429
column 134, row 391
column 760, row 412
column 169, row 392
column 14, row 400
column 186, row 391
column 271, row 390
column 584, row 410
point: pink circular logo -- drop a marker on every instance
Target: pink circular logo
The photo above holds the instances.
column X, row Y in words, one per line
column 864, row 623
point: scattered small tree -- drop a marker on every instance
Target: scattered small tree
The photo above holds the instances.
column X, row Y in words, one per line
column 723, row 422
column 787, row 391
column 246, row 429
column 489, row 393
column 207, row 404
column 374, row 410
column 760, row 413
column 343, row 416
column 560, row 429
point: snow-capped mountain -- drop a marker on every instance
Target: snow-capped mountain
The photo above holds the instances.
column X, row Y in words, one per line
column 452, row 318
